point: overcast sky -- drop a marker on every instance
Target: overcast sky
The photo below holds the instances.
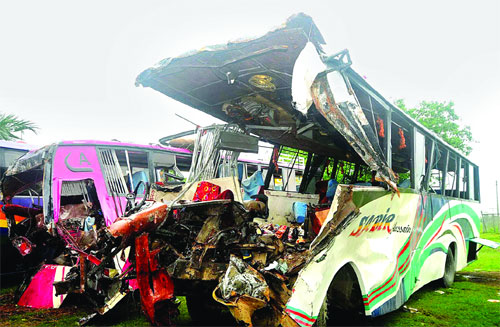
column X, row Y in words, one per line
column 70, row 66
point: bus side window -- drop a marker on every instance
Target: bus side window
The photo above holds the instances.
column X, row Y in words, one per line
column 436, row 170
column 139, row 169
column 470, row 184
column 8, row 157
column 165, row 168
column 289, row 162
column 451, row 176
column 464, row 185
column 401, row 150
column 475, row 183
column 250, row 170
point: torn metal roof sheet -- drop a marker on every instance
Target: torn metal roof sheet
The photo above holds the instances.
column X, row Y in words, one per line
column 266, row 85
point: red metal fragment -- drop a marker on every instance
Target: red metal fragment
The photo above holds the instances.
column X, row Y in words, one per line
column 155, row 285
column 139, row 222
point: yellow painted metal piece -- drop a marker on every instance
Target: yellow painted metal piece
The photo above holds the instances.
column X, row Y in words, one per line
column 264, row 82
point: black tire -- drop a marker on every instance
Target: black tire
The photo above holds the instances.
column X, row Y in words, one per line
column 450, row 267
column 343, row 304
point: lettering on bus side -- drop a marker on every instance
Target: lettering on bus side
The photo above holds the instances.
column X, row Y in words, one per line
column 83, row 159
column 373, row 223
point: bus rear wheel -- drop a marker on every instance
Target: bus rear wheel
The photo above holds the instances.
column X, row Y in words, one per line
column 450, row 268
column 343, row 304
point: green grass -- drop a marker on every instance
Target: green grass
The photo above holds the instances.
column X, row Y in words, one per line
column 464, row 304
column 7, row 290
column 43, row 317
column 131, row 315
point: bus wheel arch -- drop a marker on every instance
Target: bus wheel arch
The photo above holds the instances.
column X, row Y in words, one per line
column 343, row 298
column 450, row 265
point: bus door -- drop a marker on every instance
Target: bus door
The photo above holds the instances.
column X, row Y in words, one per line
column 78, row 167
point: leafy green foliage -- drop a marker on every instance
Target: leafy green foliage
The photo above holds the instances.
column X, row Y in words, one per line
column 345, row 172
column 11, row 124
column 440, row 117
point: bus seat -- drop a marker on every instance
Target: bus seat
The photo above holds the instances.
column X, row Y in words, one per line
column 206, row 191
column 225, row 183
column 137, row 177
column 319, row 218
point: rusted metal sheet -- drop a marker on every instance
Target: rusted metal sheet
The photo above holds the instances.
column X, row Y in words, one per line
column 342, row 209
column 181, row 269
column 348, row 118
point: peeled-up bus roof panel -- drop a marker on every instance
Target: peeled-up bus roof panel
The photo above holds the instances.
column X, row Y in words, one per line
column 250, row 83
column 192, row 78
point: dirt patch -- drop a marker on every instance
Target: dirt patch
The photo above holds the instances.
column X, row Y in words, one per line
column 484, row 277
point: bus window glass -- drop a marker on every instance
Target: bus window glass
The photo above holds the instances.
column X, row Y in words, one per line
column 139, row 170
column 451, row 176
column 464, row 177
column 436, row 177
column 471, row 182
column 401, row 146
column 290, row 162
column 419, row 160
column 477, row 195
column 183, row 163
column 113, row 172
column 9, row 157
column 166, row 170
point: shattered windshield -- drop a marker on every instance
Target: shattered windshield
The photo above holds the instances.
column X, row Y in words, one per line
column 26, row 172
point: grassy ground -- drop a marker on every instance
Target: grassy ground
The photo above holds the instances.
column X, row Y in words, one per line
column 13, row 315
column 464, row 304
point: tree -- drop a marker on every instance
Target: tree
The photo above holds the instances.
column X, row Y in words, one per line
column 11, row 124
column 440, row 117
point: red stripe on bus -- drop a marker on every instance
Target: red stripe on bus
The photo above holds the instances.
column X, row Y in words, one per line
column 437, row 233
column 300, row 315
column 461, row 234
column 302, row 322
column 404, row 268
column 394, row 273
column 376, row 296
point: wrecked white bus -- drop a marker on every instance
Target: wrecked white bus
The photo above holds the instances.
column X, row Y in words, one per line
column 390, row 205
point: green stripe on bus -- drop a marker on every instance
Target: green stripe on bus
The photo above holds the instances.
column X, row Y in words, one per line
column 298, row 310
column 415, row 266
